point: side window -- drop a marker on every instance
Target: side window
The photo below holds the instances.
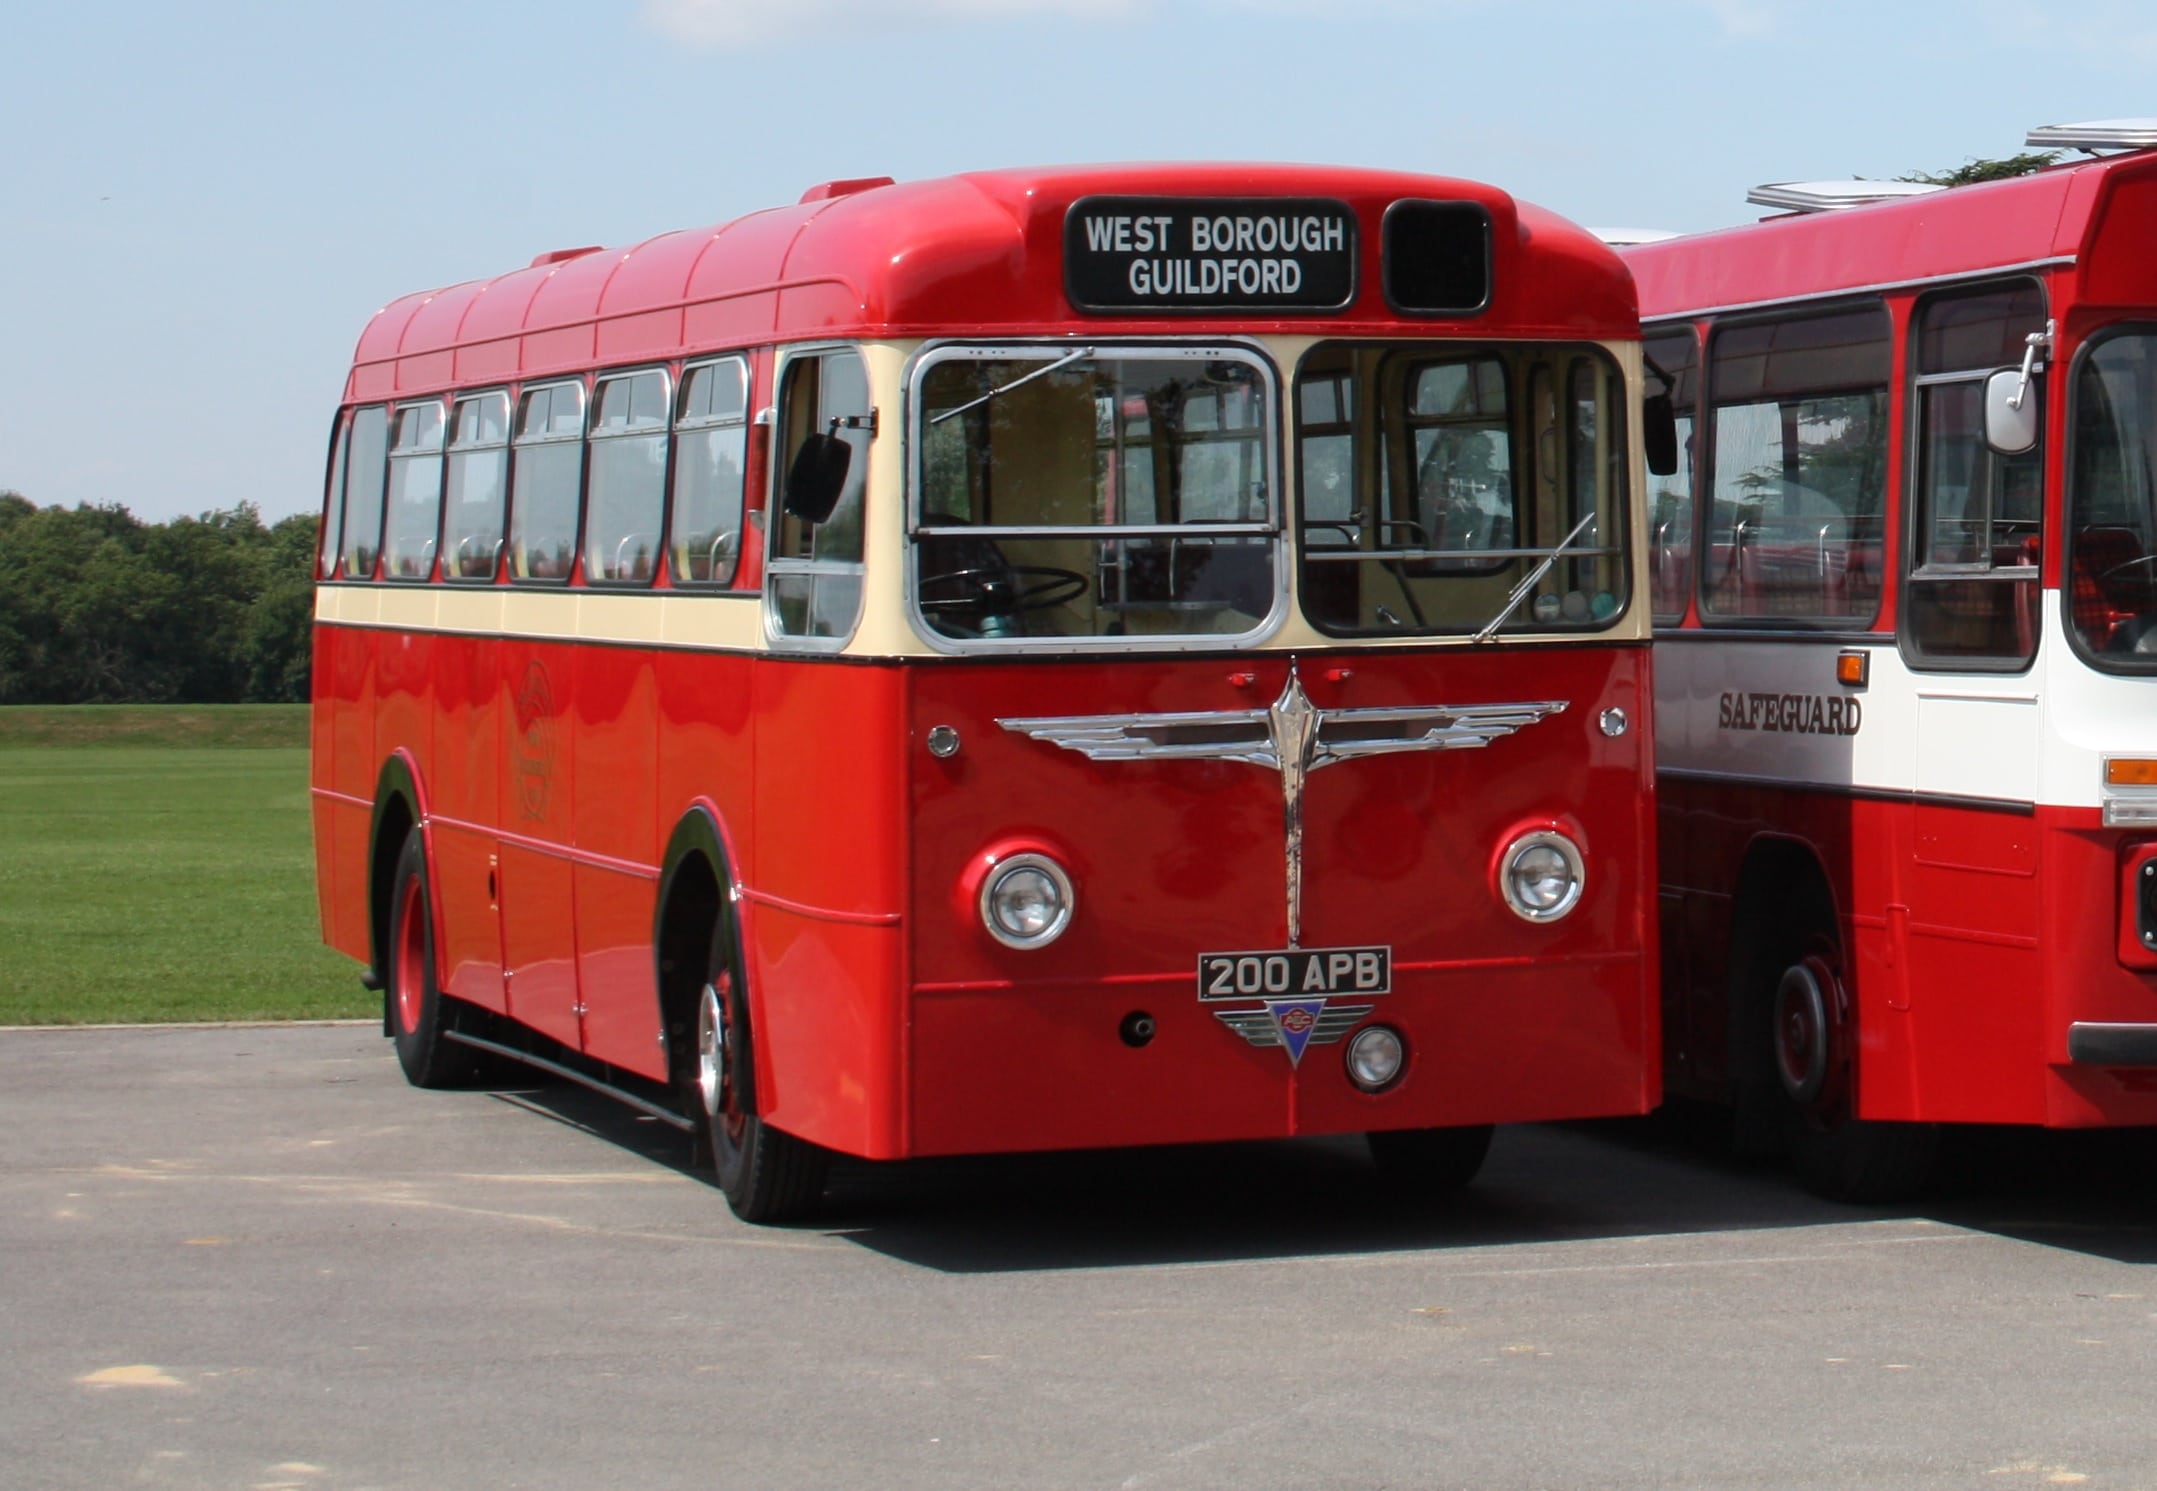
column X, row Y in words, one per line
column 546, row 476
column 478, row 487
column 814, row 578
column 711, row 436
column 1799, row 468
column 366, row 468
column 415, row 492
column 627, row 480
column 1673, row 367
column 333, row 505
column 1977, row 515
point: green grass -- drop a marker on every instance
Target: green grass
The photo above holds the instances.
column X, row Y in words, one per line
column 160, row 882
column 187, row 725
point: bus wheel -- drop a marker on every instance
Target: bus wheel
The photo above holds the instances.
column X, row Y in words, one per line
column 1836, row 1154
column 1428, row 1161
column 417, row 1008
column 768, row 1175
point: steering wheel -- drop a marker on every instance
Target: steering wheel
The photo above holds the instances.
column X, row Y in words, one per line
column 1003, row 590
column 2140, row 561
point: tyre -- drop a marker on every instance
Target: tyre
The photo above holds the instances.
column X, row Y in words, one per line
column 1424, row 1162
column 1810, row 1034
column 768, row 1175
column 418, row 1010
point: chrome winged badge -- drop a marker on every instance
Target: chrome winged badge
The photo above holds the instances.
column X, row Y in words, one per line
column 1294, row 737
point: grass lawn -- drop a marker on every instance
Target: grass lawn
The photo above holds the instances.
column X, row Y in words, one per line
column 158, row 865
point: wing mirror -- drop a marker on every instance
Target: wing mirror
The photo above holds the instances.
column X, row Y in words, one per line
column 817, row 477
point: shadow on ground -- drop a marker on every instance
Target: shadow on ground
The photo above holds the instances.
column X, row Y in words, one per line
column 1669, row 1173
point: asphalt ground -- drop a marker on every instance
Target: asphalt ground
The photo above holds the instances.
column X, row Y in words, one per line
column 253, row 1258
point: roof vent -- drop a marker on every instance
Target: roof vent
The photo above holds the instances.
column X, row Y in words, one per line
column 1628, row 237
column 824, row 191
column 563, row 256
column 2097, row 134
column 1834, row 196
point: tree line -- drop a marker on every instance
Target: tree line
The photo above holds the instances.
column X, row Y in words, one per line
column 99, row 607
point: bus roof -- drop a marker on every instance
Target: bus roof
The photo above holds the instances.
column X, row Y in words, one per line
column 976, row 254
column 2047, row 218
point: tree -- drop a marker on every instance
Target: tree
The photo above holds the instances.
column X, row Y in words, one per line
column 1977, row 169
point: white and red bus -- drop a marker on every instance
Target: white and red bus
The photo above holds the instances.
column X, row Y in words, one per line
column 1906, row 597
column 1079, row 657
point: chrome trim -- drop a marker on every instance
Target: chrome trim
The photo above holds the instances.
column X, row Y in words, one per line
column 1293, row 737
column 1567, row 850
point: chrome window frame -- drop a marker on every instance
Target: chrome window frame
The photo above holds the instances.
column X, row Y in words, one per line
column 594, row 434
column 1244, row 350
column 519, row 441
column 776, row 637
column 454, row 448
column 693, row 424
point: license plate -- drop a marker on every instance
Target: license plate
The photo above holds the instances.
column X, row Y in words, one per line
column 1301, row 972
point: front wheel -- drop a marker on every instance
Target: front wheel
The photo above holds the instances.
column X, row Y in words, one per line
column 1429, row 1161
column 418, row 1013
column 768, row 1175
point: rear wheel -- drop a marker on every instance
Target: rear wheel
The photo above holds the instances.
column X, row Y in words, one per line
column 418, row 1010
column 1429, row 1161
column 1811, row 1039
column 768, row 1175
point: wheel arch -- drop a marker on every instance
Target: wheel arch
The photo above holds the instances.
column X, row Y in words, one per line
column 1784, row 894
column 696, row 893
column 399, row 807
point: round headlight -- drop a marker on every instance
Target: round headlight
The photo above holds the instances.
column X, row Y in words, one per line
column 1542, row 876
column 1375, row 1056
column 1026, row 901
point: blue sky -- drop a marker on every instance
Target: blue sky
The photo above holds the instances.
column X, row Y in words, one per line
column 201, row 204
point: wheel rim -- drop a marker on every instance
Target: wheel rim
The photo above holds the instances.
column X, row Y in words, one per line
column 411, row 964
column 715, row 1085
column 1803, row 1031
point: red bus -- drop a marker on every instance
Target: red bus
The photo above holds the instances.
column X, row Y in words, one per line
column 1906, row 597
column 1080, row 657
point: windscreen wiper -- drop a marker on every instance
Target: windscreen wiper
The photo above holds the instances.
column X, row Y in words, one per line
column 1520, row 591
column 1042, row 372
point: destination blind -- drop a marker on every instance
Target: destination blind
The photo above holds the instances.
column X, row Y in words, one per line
column 1153, row 254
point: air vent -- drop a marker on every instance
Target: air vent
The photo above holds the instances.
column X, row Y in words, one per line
column 1834, row 196
column 563, row 256
column 824, row 191
column 2096, row 135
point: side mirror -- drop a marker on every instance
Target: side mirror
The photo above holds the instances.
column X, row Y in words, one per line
column 817, row 477
column 1659, row 434
column 2011, row 411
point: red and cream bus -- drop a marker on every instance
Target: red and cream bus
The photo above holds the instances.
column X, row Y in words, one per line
column 1906, row 597
column 1022, row 661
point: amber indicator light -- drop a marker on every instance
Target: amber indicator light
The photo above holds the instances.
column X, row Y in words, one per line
column 2131, row 773
column 1852, row 668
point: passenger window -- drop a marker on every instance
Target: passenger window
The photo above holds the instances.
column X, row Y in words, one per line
column 1673, row 367
column 478, row 487
column 711, row 436
column 366, row 468
column 546, row 477
column 1799, row 468
column 413, row 523
column 627, row 497
column 814, row 578
column 1978, row 515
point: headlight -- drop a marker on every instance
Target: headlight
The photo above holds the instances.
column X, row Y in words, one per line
column 1541, row 875
column 1026, row 901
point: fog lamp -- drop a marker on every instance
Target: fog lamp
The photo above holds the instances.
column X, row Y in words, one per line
column 1541, row 875
column 1026, row 901
column 1375, row 1056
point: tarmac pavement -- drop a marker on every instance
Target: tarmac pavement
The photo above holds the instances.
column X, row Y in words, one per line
column 252, row 1257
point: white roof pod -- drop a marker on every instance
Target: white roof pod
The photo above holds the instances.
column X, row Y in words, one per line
column 1833, row 196
column 1626, row 237
column 2096, row 134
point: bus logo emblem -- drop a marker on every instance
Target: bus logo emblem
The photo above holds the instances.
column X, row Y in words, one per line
column 1294, row 1024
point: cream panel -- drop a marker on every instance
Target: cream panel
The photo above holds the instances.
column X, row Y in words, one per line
column 476, row 608
column 603, row 616
column 884, row 630
column 405, row 606
column 540, row 613
column 734, row 621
